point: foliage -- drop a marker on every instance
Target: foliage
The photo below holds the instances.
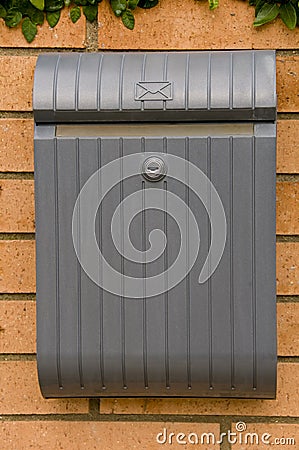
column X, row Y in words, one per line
column 31, row 13
column 266, row 11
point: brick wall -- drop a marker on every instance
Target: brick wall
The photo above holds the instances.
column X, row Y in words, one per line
column 29, row 421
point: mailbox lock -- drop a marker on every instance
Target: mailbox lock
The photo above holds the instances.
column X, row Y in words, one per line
column 154, row 168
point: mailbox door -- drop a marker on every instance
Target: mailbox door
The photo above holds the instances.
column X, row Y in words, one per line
column 216, row 337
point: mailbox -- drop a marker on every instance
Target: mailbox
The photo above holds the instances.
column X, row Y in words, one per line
column 155, row 224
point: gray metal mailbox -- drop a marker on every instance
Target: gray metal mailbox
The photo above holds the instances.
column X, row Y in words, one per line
column 155, row 224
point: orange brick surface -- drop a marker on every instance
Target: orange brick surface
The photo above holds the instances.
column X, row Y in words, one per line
column 265, row 435
column 16, row 145
column 288, row 146
column 189, row 24
column 287, row 208
column 287, row 268
column 65, row 34
column 17, row 327
column 16, row 76
column 288, row 329
column 17, row 266
column 105, row 436
column 16, row 206
column 287, row 80
column 20, row 394
column 286, row 403
column 16, row 80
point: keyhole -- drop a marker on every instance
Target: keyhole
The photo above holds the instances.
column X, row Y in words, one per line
column 154, row 169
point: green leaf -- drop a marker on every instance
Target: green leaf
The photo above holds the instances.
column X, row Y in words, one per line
column 37, row 17
column 2, row 12
column 53, row 18
column 258, row 6
column 132, row 4
column 29, row 29
column 213, row 4
column 268, row 12
column 146, row 4
column 288, row 15
column 13, row 18
column 128, row 19
column 118, row 6
column 75, row 14
column 39, row 4
column 67, row 3
column 90, row 12
column 80, row 2
column 54, row 5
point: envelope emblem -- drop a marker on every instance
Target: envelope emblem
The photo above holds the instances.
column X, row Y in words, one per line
column 153, row 90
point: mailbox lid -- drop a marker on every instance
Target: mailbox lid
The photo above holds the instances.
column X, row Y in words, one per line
column 164, row 86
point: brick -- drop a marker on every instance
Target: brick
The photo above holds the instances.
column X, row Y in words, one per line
column 287, row 268
column 20, row 394
column 17, row 76
column 101, row 435
column 186, row 24
column 17, row 327
column 288, row 146
column 267, row 434
column 16, row 206
column 286, row 403
column 287, row 208
column 16, row 145
column 65, row 34
column 17, row 266
column 288, row 329
column 287, row 80
column 16, row 80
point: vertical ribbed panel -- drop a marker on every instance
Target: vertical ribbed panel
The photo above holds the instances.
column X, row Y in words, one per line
column 144, row 276
column 188, row 286
column 100, row 291
column 110, row 87
column 253, row 264
column 66, row 82
column 57, row 274
column 219, row 88
column 176, row 71
column 242, row 83
column 264, row 77
column 89, row 73
column 210, row 339
column 231, row 268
